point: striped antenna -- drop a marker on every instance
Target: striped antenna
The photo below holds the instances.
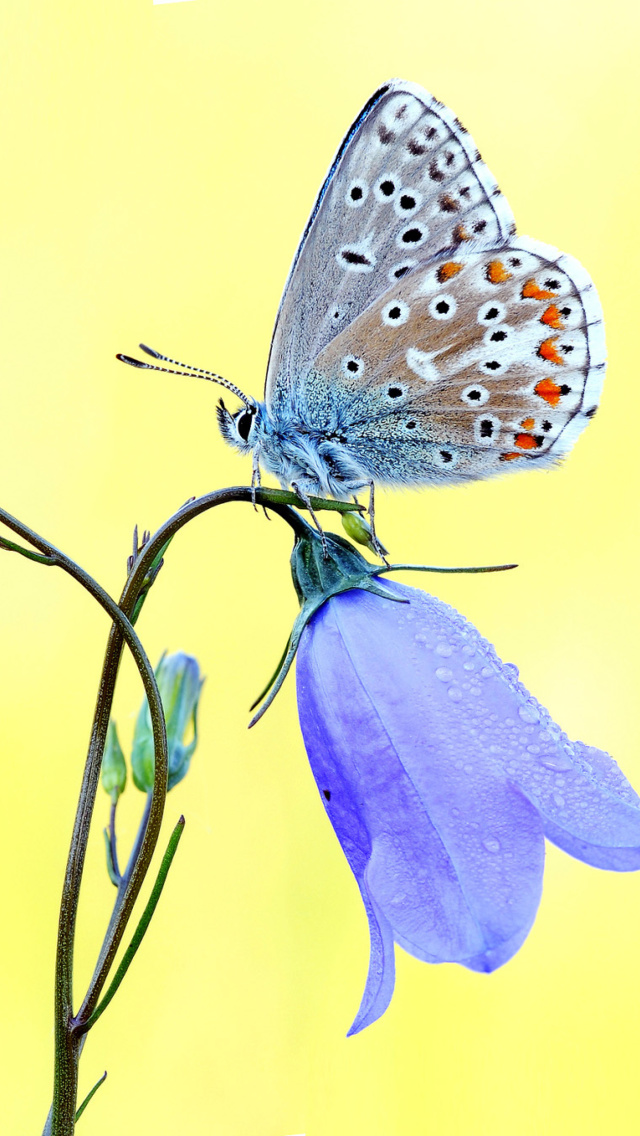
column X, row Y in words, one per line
column 188, row 372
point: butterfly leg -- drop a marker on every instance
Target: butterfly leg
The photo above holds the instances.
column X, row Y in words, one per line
column 307, row 500
column 256, row 482
column 379, row 548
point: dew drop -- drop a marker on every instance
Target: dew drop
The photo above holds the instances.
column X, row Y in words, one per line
column 422, row 639
column 533, row 749
column 559, row 763
column 511, row 670
column 469, row 665
column 491, row 844
column 455, row 694
column 468, row 649
column 559, row 801
column 528, row 714
column 486, row 672
column 444, row 674
column 445, row 649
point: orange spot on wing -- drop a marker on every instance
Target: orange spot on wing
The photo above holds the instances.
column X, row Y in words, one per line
column 526, row 442
column 497, row 273
column 509, row 457
column 531, row 291
column 447, row 270
column 549, row 391
column 552, row 318
column 528, row 423
column 460, row 234
column 547, row 350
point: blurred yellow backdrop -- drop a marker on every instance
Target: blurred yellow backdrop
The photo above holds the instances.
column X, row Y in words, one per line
column 159, row 165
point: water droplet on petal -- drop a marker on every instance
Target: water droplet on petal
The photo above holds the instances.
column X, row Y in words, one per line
column 558, row 762
column 445, row 649
column 528, row 714
column 469, row 666
column 486, row 672
column 468, row 649
column 455, row 694
column 558, row 800
column 491, row 844
column 422, row 639
column 533, row 748
column 444, row 674
column 511, row 670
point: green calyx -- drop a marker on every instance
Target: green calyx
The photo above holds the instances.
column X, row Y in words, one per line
column 322, row 567
column 320, row 570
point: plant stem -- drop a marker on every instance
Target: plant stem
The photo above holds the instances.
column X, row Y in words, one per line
column 66, row 1046
column 70, row 1031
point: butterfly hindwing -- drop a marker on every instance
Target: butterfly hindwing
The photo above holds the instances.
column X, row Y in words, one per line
column 406, row 183
column 471, row 361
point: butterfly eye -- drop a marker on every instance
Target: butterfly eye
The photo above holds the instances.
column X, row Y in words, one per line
column 475, row 395
column 491, row 312
column 442, row 307
column 357, row 194
column 243, row 424
column 395, row 313
column 352, row 366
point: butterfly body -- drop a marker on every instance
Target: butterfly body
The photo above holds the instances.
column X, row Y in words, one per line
column 419, row 340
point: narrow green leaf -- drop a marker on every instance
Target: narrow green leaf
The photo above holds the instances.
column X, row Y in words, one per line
column 140, row 930
column 88, row 1097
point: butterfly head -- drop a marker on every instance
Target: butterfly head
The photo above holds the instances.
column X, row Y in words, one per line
column 240, row 430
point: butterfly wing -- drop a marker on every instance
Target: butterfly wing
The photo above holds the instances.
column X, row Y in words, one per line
column 470, row 362
column 406, row 183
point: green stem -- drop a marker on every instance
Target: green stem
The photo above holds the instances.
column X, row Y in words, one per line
column 68, row 1041
column 140, row 930
column 66, row 1048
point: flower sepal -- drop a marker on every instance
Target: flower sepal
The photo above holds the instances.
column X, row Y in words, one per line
column 322, row 567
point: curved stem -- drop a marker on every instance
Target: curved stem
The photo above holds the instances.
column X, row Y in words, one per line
column 68, row 1035
column 66, row 1070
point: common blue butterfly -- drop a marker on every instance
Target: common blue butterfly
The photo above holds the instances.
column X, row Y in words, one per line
column 419, row 341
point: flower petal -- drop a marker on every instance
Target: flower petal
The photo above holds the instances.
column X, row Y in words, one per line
column 381, row 976
column 591, row 811
column 464, row 887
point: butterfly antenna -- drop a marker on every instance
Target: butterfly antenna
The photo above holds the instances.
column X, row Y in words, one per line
column 189, row 372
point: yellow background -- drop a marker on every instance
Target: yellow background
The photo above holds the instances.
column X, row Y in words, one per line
column 159, row 164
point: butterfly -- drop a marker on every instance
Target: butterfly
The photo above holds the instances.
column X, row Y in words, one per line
column 419, row 340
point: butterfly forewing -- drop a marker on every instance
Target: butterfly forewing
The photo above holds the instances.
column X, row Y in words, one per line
column 406, row 184
column 473, row 360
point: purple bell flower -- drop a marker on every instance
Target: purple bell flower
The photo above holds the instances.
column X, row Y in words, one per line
column 441, row 776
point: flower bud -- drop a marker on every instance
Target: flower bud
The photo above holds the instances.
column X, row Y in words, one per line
column 114, row 769
column 357, row 529
column 179, row 683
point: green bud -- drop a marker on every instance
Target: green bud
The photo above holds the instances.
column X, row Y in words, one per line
column 357, row 529
column 179, row 683
column 114, row 769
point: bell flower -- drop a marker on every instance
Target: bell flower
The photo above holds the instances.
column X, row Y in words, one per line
column 442, row 776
